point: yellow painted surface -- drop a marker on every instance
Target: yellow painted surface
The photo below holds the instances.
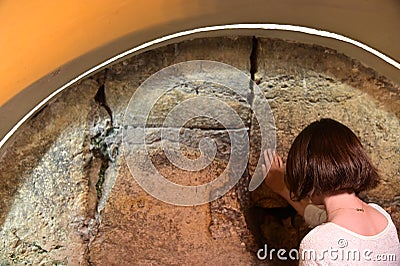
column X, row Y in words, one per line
column 37, row 36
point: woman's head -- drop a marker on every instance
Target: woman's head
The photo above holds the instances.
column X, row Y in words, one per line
column 327, row 158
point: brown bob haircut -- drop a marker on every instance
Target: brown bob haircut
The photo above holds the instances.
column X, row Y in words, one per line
column 327, row 158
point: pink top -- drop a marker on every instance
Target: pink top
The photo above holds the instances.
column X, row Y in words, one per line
column 331, row 244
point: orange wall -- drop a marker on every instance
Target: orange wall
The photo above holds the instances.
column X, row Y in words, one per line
column 37, row 36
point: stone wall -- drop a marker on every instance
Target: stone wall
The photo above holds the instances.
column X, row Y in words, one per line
column 68, row 197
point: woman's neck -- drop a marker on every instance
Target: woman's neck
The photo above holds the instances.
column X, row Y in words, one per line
column 344, row 202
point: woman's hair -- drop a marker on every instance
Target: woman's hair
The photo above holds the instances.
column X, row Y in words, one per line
column 327, row 158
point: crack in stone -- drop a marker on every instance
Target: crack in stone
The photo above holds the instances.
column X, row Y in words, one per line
column 34, row 244
column 106, row 152
column 100, row 96
column 39, row 111
column 253, row 69
column 233, row 129
column 242, row 191
column 99, row 148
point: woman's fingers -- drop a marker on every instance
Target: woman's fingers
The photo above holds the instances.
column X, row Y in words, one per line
column 280, row 162
column 266, row 158
column 276, row 159
column 272, row 160
column 264, row 170
column 271, row 155
column 273, row 171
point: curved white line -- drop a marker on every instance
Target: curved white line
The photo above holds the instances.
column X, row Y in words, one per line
column 283, row 27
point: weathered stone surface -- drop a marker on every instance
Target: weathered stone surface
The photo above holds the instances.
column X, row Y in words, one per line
column 156, row 232
column 68, row 197
column 200, row 105
column 124, row 78
column 48, row 176
column 137, row 228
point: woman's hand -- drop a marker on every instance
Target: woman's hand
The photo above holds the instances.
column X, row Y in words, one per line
column 275, row 180
column 275, row 176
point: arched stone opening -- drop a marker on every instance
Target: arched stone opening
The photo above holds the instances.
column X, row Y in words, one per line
column 68, row 195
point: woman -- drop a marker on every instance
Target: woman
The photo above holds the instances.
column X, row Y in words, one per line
column 327, row 165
